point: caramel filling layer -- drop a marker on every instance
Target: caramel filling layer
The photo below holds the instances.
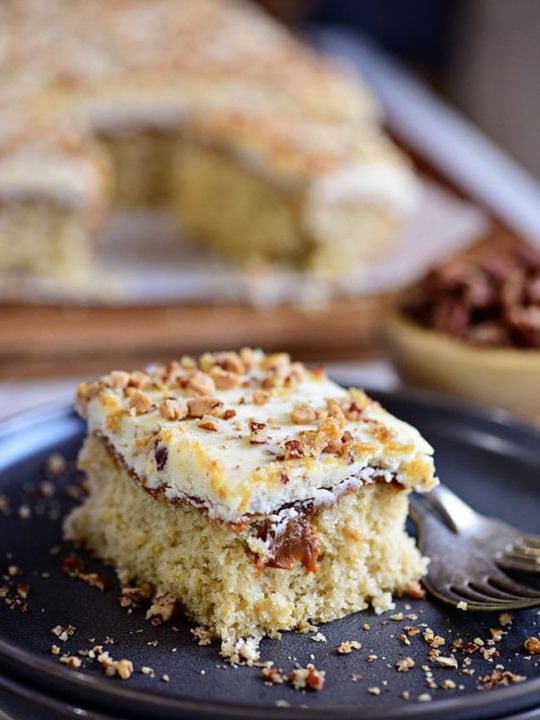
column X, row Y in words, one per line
column 288, row 533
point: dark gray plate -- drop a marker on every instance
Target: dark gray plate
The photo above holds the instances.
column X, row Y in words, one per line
column 491, row 460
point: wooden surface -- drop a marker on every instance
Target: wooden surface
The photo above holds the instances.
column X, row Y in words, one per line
column 40, row 341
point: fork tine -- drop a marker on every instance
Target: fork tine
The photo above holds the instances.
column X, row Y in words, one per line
column 509, row 563
column 450, row 582
column 503, row 583
column 517, row 561
column 492, row 591
column 472, row 592
column 527, row 550
column 451, row 596
column 532, row 540
column 455, row 595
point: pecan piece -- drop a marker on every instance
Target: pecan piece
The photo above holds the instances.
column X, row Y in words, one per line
column 303, row 414
column 140, row 379
column 208, row 423
column 293, row 450
column 204, row 405
column 224, row 379
column 261, row 397
column 173, row 409
column 232, row 362
column 140, row 402
column 118, row 379
column 199, row 382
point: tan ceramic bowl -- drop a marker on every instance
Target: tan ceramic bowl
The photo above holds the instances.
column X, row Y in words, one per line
column 499, row 377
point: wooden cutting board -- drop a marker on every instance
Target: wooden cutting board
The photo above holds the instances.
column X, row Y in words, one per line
column 37, row 341
column 53, row 340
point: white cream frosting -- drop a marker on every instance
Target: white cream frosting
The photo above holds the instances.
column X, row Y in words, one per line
column 234, row 477
column 61, row 178
column 379, row 182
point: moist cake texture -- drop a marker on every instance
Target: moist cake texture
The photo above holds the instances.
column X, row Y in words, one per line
column 256, row 493
column 162, row 84
column 316, row 194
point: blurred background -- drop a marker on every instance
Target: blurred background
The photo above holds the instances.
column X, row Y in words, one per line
column 457, row 81
column 480, row 54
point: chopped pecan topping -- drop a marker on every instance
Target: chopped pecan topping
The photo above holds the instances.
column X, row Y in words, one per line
column 359, row 398
column 297, row 373
column 224, row 379
column 140, row 379
column 173, row 409
column 188, row 362
column 232, row 362
column 199, row 382
column 335, row 412
column 228, row 361
column 260, row 397
column 123, row 668
column 86, row 392
column 318, row 372
column 326, row 438
column 140, row 402
column 500, row 678
column 303, row 414
column 277, row 368
column 204, row 405
column 293, row 450
column 247, row 356
column 119, row 379
column 257, row 433
column 171, row 369
column 208, row 423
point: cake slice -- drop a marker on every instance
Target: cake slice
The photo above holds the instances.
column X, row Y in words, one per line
column 256, row 493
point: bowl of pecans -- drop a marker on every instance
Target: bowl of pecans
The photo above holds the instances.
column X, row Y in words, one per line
column 471, row 328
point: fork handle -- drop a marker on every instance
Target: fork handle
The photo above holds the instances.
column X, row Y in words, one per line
column 456, row 513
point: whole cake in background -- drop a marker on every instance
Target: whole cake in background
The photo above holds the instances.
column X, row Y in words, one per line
column 254, row 492
column 259, row 146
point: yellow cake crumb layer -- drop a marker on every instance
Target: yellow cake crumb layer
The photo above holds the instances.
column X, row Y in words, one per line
column 366, row 555
column 236, row 213
column 141, row 161
column 46, row 239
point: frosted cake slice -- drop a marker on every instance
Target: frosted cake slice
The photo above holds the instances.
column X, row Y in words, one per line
column 257, row 493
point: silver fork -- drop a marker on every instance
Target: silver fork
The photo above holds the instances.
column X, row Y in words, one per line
column 460, row 573
column 511, row 548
